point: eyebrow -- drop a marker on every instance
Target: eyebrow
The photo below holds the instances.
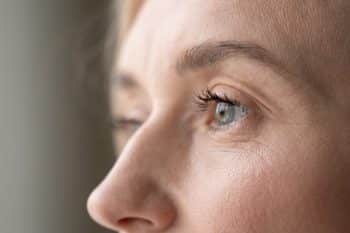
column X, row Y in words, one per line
column 211, row 53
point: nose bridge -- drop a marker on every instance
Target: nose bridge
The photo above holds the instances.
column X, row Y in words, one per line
column 159, row 146
column 150, row 150
column 141, row 167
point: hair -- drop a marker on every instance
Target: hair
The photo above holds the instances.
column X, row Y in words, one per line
column 121, row 15
column 127, row 12
column 96, row 42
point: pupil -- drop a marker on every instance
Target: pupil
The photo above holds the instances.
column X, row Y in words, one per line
column 222, row 112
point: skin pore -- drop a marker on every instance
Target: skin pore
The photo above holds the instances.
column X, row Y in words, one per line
column 232, row 116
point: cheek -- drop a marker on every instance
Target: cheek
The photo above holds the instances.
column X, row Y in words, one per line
column 309, row 178
column 227, row 191
column 263, row 188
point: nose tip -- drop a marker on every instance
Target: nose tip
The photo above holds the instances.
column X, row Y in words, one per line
column 125, row 212
column 99, row 211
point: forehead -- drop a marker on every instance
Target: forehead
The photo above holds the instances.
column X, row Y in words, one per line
column 165, row 28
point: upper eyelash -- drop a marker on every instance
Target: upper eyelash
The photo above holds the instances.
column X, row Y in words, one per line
column 205, row 97
column 118, row 123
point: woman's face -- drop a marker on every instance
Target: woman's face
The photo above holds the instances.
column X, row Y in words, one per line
column 232, row 116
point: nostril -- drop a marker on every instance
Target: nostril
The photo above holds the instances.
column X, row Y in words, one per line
column 125, row 222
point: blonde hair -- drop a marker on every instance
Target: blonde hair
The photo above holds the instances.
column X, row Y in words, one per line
column 128, row 10
column 121, row 16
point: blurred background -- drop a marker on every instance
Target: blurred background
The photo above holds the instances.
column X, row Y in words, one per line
column 55, row 145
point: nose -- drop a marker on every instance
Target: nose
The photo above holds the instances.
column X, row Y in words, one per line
column 131, row 198
column 129, row 208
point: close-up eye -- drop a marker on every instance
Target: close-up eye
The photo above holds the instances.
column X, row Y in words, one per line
column 222, row 110
column 126, row 124
column 124, row 128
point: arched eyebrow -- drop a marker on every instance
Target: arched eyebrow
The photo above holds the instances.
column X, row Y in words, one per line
column 211, row 53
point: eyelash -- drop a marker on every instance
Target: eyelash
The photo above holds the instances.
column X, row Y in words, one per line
column 204, row 98
column 117, row 124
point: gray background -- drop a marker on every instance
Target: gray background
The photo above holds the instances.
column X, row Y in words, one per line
column 54, row 142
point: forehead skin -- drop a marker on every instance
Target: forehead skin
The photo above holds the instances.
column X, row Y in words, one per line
column 311, row 38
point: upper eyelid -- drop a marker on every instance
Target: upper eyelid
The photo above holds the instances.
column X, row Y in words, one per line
column 124, row 80
column 121, row 119
column 117, row 121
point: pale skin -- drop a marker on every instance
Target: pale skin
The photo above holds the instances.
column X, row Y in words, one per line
column 281, row 164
